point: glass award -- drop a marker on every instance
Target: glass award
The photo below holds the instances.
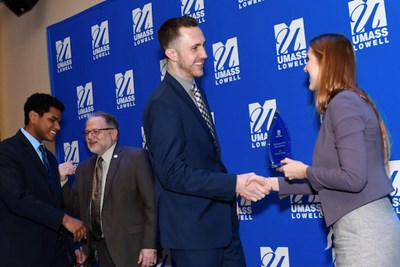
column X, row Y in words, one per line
column 279, row 145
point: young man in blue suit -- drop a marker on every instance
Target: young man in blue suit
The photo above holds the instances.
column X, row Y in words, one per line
column 33, row 225
column 196, row 197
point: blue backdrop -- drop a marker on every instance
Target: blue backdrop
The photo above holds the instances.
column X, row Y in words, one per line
column 108, row 58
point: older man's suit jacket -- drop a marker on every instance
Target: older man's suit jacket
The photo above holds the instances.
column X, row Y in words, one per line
column 30, row 212
column 128, row 214
column 195, row 195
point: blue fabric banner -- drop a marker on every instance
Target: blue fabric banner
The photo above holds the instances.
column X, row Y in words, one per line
column 108, row 58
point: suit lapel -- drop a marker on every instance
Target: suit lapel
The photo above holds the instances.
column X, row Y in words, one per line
column 112, row 170
column 35, row 157
column 90, row 169
column 184, row 97
column 56, row 177
column 88, row 183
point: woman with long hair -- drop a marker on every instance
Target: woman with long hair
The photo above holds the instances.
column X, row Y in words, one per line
column 349, row 162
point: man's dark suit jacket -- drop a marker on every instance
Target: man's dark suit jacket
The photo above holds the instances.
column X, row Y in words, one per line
column 195, row 195
column 128, row 214
column 30, row 213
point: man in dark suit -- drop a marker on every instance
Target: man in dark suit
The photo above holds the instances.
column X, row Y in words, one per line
column 33, row 226
column 126, row 236
column 196, row 197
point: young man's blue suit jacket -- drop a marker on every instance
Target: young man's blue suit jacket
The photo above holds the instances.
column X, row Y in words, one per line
column 195, row 195
column 30, row 213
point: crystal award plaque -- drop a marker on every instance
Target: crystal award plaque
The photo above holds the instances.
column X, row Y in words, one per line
column 279, row 142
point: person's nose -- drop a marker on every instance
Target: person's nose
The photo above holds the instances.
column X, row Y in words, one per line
column 89, row 137
column 57, row 125
column 203, row 53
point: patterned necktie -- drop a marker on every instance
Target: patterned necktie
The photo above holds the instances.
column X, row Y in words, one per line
column 203, row 110
column 47, row 165
column 96, row 199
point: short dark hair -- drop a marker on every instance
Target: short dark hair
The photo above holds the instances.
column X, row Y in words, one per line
column 41, row 103
column 169, row 30
column 111, row 121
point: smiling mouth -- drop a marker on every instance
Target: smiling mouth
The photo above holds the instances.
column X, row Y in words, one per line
column 53, row 132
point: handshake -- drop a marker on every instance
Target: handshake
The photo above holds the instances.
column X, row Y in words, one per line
column 251, row 186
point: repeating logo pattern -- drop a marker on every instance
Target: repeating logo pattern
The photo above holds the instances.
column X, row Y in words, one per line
column 63, row 55
column 100, row 40
column 260, row 117
column 274, row 258
column 226, row 61
column 124, row 90
column 143, row 24
column 291, row 47
column 368, row 23
column 85, row 102
column 193, row 8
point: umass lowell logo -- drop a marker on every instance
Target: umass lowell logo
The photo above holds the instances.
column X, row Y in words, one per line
column 143, row 24
column 245, row 210
column 394, row 167
column 305, row 207
column 226, row 61
column 247, row 3
column 260, row 122
column 163, row 68
column 100, row 40
column 125, row 91
column 290, row 42
column 85, row 100
column 193, row 8
column 274, row 258
column 368, row 23
column 144, row 142
column 63, row 55
column 71, row 152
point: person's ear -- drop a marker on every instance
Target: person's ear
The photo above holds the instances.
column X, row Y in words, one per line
column 114, row 134
column 33, row 116
column 171, row 54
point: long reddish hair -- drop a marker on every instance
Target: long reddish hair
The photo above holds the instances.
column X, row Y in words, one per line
column 337, row 72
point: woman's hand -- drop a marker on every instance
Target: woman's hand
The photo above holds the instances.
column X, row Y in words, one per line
column 293, row 169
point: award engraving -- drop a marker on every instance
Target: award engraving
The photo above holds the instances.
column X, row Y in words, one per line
column 279, row 142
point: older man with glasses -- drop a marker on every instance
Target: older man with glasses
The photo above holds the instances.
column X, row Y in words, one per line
column 113, row 193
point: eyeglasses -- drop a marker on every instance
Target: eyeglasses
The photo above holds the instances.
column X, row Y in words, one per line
column 95, row 132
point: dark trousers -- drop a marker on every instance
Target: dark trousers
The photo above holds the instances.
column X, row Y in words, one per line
column 61, row 259
column 103, row 255
column 230, row 256
column 65, row 253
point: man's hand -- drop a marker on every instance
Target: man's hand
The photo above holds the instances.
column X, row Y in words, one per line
column 75, row 226
column 65, row 169
column 252, row 186
column 80, row 257
column 147, row 257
